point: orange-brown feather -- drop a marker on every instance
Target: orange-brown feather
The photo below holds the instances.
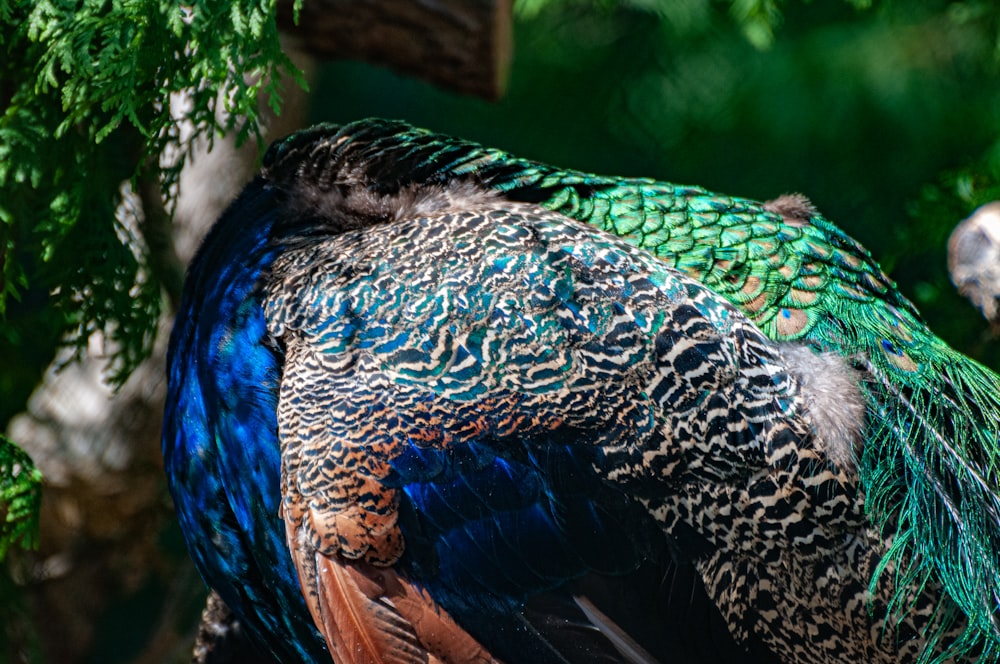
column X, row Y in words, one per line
column 371, row 615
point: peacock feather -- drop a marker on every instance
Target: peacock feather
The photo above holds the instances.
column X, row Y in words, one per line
column 406, row 379
column 929, row 465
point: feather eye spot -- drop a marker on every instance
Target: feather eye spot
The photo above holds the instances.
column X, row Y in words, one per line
column 790, row 323
column 898, row 357
column 893, row 318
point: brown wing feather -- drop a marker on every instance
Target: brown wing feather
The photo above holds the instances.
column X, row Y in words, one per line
column 371, row 615
column 434, row 627
column 358, row 623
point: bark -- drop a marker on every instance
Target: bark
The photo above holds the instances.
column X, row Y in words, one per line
column 459, row 45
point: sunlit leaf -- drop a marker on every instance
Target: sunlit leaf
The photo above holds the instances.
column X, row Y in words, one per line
column 20, row 498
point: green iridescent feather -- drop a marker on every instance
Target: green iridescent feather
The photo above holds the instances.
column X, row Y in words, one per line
column 929, row 464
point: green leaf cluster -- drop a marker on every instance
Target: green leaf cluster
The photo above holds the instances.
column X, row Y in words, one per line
column 20, row 498
column 88, row 92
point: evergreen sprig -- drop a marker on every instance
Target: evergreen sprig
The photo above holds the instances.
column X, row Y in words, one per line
column 20, row 498
column 85, row 92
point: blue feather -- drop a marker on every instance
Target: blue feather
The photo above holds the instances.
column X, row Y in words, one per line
column 220, row 432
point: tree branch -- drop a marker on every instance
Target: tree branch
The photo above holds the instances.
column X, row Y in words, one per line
column 460, row 45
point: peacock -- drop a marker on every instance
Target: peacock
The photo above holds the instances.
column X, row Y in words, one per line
column 428, row 401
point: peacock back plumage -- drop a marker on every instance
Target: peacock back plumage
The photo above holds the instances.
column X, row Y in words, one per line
column 407, row 381
column 928, row 465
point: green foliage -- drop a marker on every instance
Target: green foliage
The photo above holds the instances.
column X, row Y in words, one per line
column 20, row 498
column 758, row 19
column 85, row 94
